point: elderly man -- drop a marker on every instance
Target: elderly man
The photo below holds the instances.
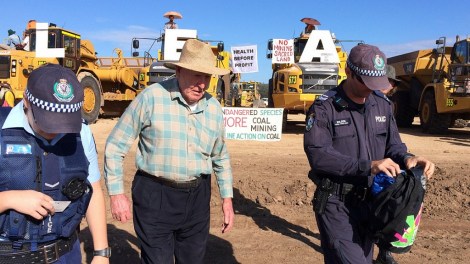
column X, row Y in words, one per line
column 181, row 142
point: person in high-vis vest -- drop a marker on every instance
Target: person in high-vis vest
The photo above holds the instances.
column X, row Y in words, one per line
column 49, row 175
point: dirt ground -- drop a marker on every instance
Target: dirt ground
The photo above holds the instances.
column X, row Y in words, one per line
column 274, row 221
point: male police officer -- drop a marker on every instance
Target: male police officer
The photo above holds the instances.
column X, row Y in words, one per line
column 351, row 135
column 49, row 175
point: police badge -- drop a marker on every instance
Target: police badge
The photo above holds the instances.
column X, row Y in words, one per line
column 63, row 91
column 310, row 121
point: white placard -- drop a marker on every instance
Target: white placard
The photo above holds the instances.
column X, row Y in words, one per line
column 261, row 124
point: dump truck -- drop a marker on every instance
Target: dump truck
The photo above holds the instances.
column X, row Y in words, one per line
column 247, row 95
column 219, row 86
column 319, row 65
column 435, row 85
column 108, row 89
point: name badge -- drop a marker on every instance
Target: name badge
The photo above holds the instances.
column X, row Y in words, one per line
column 341, row 122
column 17, row 149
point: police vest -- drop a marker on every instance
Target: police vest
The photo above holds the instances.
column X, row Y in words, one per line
column 59, row 171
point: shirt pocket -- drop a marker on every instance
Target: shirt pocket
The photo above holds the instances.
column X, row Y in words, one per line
column 381, row 135
column 344, row 133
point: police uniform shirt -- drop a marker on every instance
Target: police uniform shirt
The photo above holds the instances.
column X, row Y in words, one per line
column 341, row 139
column 17, row 118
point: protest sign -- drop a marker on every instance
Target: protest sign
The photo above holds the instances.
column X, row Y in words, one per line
column 244, row 59
column 261, row 124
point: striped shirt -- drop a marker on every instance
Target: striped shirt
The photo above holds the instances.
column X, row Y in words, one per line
column 174, row 142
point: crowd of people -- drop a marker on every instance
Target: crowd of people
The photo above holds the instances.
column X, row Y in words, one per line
column 181, row 144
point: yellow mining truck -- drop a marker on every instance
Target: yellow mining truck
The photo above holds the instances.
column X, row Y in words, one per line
column 108, row 89
column 247, row 95
column 319, row 65
column 435, row 84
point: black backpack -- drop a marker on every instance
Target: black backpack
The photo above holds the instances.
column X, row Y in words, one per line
column 396, row 212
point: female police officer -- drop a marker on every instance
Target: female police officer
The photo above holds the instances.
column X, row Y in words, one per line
column 49, row 176
column 350, row 135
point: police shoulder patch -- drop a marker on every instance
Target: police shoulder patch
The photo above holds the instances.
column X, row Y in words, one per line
column 310, row 120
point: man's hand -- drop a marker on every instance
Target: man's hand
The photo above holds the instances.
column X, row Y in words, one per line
column 387, row 166
column 120, row 207
column 229, row 215
column 428, row 166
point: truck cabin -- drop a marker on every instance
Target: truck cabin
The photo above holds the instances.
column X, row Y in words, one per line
column 460, row 65
column 60, row 38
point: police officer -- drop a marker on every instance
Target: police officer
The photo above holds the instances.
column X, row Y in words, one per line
column 49, row 176
column 351, row 135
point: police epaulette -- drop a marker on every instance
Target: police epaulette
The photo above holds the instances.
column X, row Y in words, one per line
column 340, row 103
column 381, row 95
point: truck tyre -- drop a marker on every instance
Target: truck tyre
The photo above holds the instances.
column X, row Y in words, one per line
column 270, row 94
column 431, row 121
column 403, row 112
column 92, row 102
column 284, row 120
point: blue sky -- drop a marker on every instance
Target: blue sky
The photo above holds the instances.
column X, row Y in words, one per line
column 395, row 26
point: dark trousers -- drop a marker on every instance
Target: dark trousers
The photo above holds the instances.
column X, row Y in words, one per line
column 74, row 256
column 342, row 233
column 171, row 224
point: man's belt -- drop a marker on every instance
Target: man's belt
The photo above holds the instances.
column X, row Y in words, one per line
column 172, row 183
column 48, row 252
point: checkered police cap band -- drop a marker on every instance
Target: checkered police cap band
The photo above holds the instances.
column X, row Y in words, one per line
column 370, row 73
column 54, row 107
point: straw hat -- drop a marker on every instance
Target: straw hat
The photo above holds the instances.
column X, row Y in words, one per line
column 197, row 56
column 173, row 13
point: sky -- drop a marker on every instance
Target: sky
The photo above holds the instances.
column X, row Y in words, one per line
column 396, row 27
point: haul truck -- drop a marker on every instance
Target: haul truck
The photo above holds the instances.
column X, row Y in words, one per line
column 247, row 95
column 435, row 84
column 108, row 89
column 319, row 65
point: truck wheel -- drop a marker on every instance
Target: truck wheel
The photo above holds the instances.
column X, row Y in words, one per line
column 92, row 103
column 270, row 93
column 431, row 121
column 284, row 120
column 403, row 112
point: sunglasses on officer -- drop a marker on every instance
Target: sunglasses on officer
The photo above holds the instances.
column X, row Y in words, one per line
column 357, row 77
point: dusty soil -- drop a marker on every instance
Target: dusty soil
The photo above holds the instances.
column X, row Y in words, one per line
column 274, row 220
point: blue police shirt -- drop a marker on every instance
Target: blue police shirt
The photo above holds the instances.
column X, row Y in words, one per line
column 17, row 118
column 341, row 140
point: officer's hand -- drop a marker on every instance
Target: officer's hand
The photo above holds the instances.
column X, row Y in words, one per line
column 120, row 207
column 428, row 166
column 33, row 203
column 387, row 166
column 229, row 215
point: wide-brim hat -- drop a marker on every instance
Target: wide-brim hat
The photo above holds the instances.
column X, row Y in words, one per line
column 198, row 56
column 369, row 63
column 11, row 32
column 56, row 98
column 175, row 14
